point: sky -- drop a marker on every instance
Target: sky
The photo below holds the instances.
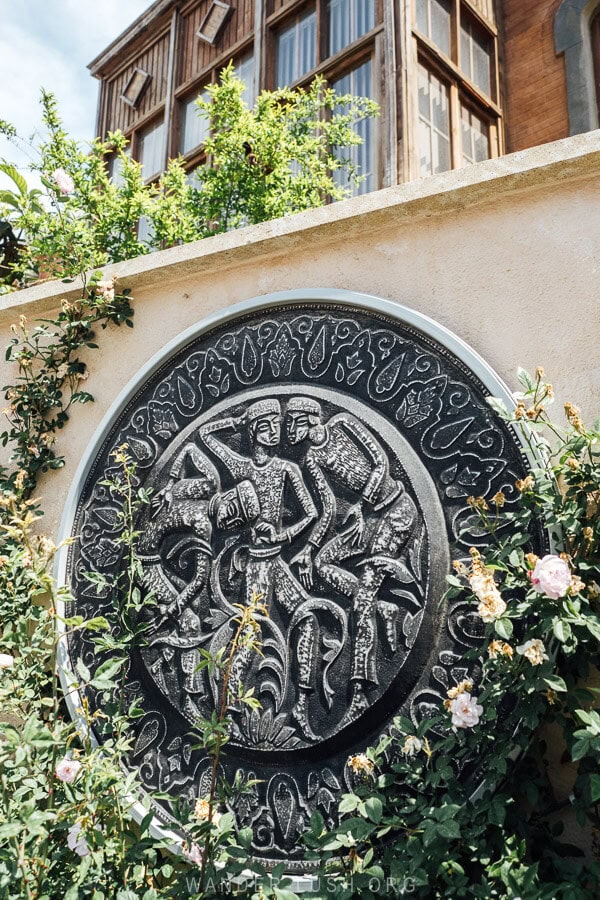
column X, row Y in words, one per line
column 48, row 43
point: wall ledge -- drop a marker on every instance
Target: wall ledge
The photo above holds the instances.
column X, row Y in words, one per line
column 542, row 167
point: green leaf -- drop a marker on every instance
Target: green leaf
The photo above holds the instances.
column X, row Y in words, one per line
column 555, row 682
column 580, row 748
column 516, row 558
column 593, row 626
column 595, row 788
column 10, row 830
column 317, row 823
column 98, row 623
column 525, row 379
column 245, row 837
column 454, row 581
column 348, row 803
column 82, row 670
column 449, row 829
column 503, row 627
column 561, row 630
column 499, row 407
column 15, row 176
column 374, row 808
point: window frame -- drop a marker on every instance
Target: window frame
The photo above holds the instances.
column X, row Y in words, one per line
column 368, row 46
column 463, row 91
column 573, row 39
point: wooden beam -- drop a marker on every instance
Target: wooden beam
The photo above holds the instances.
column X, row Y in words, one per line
column 170, row 109
column 259, row 46
column 143, row 24
column 389, row 125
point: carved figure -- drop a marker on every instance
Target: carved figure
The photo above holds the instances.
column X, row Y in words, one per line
column 345, row 452
column 266, row 570
column 187, row 507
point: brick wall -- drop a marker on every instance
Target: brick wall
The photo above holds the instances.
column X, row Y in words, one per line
column 534, row 80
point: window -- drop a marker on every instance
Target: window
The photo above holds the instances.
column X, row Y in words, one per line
column 348, row 21
column 115, row 167
column 475, row 137
column 135, row 87
column 475, row 55
column 194, row 125
column 358, row 82
column 575, row 29
column 145, row 231
column 151, row 150
column 304, row 43
column 458, row 120
column 433, row 20
column 244, row 69
column 214, row 21
column 296, row 46
column 434, row 124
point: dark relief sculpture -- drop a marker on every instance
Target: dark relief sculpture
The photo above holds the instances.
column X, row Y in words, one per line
column 321, row 457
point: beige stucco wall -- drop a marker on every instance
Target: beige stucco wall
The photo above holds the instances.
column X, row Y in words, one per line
column 504, row 253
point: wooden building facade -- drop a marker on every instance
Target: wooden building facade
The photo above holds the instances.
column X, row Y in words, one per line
column 446, row 74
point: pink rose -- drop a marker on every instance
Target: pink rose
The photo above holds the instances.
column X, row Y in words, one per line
column 63, row 181
column 551, row 576
column 465, row 710
column 67, row 770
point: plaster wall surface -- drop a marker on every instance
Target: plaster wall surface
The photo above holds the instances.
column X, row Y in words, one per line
column 505, row 254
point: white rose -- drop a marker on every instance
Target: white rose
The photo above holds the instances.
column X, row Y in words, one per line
column 6, row 661
column 67, row 770
column 412, row 745
column 534, row 651
column 551, row 576
column 76, row 841
column 466, row 711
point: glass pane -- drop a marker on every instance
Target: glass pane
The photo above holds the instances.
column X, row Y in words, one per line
column 194, row 127
column 423, row 16
column 244, row 69
column 440, row 24
column 475, row 137
column 349, row 20
column 441, row 153
column 424, row 148
column 359, row 83
column 481, row 64
column 145, row 230
column 434, row 124
column 152, row 150
column 296, row 49
column 475, row 56
column 116, row 168
column 439, row 106
column 465, row 51
column 423, row 93
column 193, row 178
column 433, row 19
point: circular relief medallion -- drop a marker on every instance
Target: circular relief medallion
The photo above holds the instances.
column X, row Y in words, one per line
column 318, row 450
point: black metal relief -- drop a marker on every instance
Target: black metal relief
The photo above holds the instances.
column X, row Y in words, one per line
column 321, row 456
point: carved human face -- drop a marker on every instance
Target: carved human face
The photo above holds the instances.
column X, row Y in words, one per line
column 267, row 430
column 297, row 427
column 229, row 510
